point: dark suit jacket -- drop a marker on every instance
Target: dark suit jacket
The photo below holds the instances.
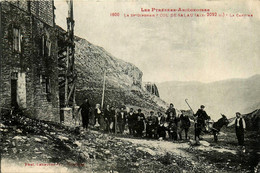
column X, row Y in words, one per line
column 121, row 117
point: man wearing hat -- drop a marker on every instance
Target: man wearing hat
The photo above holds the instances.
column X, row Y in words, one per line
column 130, row 119
column 151, row 125
column 184, row 124
column 201, row 116
column 240, row 126
column 121, row 119
column 171, row 110
column 85, row 109
column 161, row 129
column 139, row 123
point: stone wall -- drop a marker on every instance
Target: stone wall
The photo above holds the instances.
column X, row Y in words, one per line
column 37, row 68
column 41, row 9
column 152, row 88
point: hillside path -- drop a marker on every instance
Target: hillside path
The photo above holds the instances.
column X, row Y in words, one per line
column 162, row 147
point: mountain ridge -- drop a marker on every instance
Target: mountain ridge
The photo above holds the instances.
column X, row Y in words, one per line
column 218, row 81
column 225, row 96
column 123, row 80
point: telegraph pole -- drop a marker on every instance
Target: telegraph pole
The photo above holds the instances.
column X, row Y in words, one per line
column 103, row 92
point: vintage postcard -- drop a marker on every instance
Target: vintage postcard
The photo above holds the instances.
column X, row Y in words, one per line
column 124, row 86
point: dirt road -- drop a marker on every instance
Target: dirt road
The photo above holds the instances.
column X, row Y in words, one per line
column 56, row 148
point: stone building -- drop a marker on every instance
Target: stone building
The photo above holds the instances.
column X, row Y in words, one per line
column 28, row 55
column 152, row 88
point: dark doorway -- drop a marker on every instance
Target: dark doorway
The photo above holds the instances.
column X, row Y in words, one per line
column 14, row 90
column 14, row 93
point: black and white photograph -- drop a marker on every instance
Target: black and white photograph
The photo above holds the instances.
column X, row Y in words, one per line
column 129, row 86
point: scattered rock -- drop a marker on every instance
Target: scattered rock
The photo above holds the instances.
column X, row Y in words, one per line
column 38, row 139
column 146, row 150
column 78, row 143
column 17, row 138
column 44, row 137
column 41, row 148
column 19, row 131
column 24, row 137
column 14, row 150
column 136, row 164
column 63, row 138
column 205, row 143
column 13, row 143
column 107, row 152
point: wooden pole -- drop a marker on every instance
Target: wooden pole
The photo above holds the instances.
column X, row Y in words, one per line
column 103, row 92
column 70, row 54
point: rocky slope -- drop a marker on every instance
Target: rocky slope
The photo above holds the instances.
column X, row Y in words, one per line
column 123, row 79
column 31, row 145
column 228, row 96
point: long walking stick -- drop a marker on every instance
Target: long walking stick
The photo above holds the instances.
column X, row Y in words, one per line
column 186, row 100
column 195, row 126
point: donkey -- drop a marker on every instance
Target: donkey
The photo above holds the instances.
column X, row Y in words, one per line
column 218, row 125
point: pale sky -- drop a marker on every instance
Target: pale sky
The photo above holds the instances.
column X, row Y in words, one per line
column 184, row 49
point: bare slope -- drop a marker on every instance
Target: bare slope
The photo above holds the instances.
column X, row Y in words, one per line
column 123, row 79
column 228, row 96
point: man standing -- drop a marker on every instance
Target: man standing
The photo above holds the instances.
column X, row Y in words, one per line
column 151, row 125
column 140, row 123
column 84, row 108
column 184, row 125
column 201, row 116
column 155, row 125
column 161, row 130
column 130, row 119
column 113, row 119
column 98, row 116
column 240, row 126
column 121, row 119
column 171, row 110
column 107, row 116
column 172, row 128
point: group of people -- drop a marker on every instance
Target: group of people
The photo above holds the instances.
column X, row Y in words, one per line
column 155, row 125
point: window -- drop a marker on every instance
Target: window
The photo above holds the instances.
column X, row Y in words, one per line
column 43, row 45
column 17, row 40
column 45, row 81
column 47, row 87
column 46, row 47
